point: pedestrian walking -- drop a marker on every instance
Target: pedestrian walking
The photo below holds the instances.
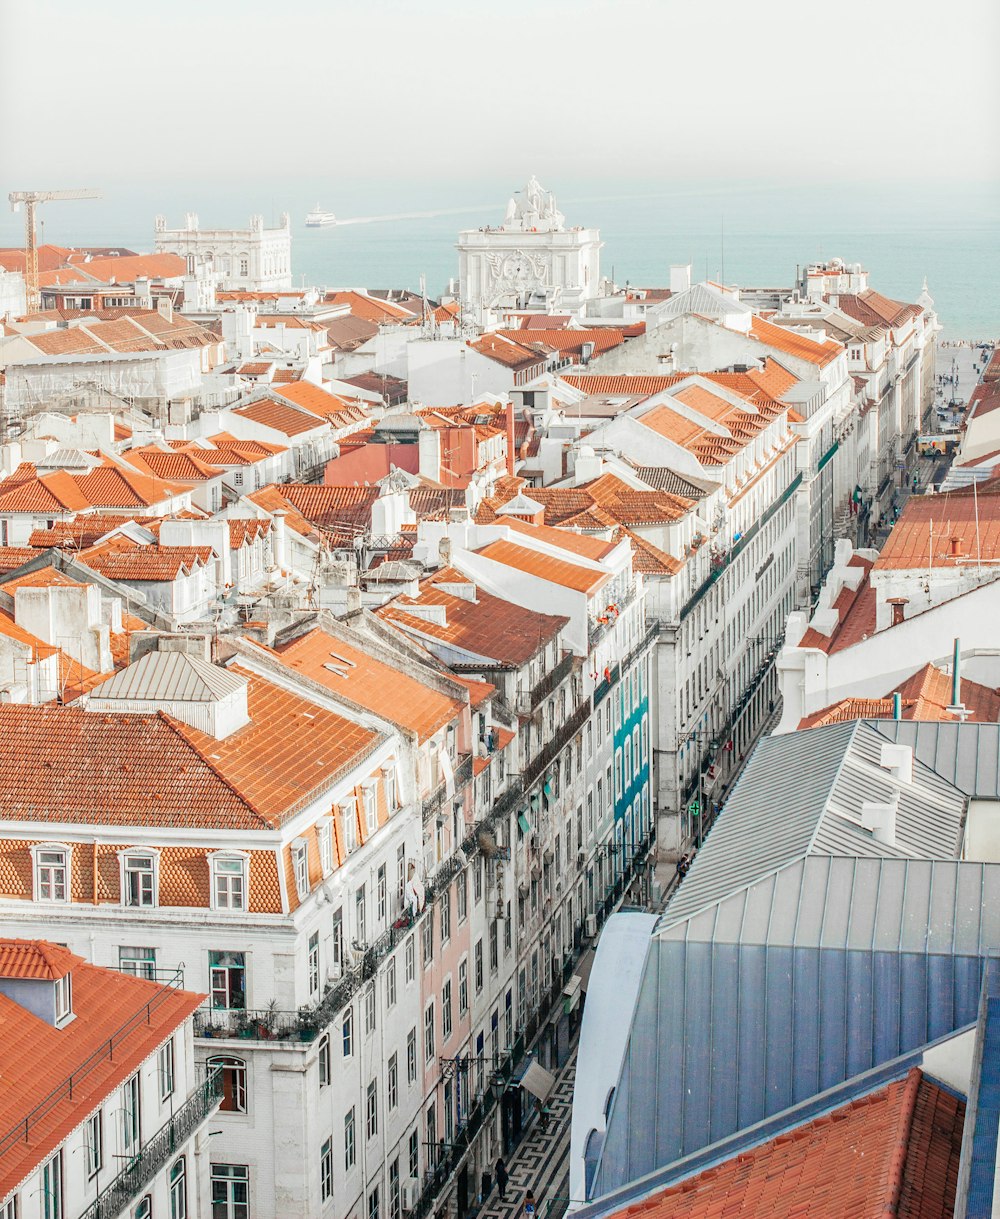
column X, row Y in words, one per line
column 502, row 1177
column 528, row 1210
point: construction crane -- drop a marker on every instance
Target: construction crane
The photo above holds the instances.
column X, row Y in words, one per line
column 31, row 199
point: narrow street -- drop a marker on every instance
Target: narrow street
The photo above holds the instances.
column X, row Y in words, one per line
column 541, row 1161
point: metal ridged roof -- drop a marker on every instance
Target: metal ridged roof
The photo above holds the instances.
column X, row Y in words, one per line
column 967, row 755
column 172, row 677
column 801, row 794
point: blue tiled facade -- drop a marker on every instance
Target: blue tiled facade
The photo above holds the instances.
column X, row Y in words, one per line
column 631, row 759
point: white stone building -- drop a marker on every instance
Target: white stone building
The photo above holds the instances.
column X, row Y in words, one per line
column 254, row 259
column 530, row 260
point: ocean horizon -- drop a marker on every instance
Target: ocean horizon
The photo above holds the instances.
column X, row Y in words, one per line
column 751, row 234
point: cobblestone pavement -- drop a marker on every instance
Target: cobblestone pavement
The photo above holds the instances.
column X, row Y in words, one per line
column 541, row 1161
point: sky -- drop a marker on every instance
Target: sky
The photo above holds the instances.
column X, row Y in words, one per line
column 445, row 92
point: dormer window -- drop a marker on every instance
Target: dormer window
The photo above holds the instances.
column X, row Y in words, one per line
column 300, row 858
column 64, row 998
column 229, row 882
column 349, row 815
column 324, row 836
column 371, row 806
column 52, row 865
column 139, row 878
column 389, row 783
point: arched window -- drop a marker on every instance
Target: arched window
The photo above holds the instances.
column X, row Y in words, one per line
column 144, row 1210
column 234, row 1083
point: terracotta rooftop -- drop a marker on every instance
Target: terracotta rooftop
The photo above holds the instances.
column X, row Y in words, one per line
column 281, row 416
column 894, row 1151
column 506, row 351
column 119, row 270
column 857, row 614
column 66, row 764
column 37, row 960
column 792, row 343
column 371, row 683
column 36, row 1059
column 371, row 309
column 943, row 531
column 873, row 309
column 566, row 342
column 186, row 466
column 924, row 696
column 536, row 563
column 488, row 626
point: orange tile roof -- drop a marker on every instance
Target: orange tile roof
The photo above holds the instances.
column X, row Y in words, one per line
column 545, row 567
column 506, row 351
column 567, row 342
column 370, row 308
column 371, row 683
column 155, row 564
column 35, row 959
column 36, row 1058
column 565, row 539
column 179, row 467
column 56, row 492
column 894, row 1151
column 793, row 343
column 650, row 560
column 246, row 529
column 42, row 577
column 13, row 557
column 924, row 696
column 489, row 626
column 857, row 614
column 281, row 416
column 922, row 537
column 120, row 269
column 312, row 398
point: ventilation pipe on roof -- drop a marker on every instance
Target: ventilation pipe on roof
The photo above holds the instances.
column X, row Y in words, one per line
column 897, row 759
column 881, row 820
column 957, row 708
column 897, row 706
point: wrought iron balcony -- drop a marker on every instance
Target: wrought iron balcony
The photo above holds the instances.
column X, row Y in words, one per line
column 537, row 765
column 528, row 700
column 155, row 1152
column 433, row 803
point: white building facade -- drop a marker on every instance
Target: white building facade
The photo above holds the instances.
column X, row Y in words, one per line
column 254, row 259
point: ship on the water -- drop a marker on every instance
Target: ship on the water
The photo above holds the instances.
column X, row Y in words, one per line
column 318, row 219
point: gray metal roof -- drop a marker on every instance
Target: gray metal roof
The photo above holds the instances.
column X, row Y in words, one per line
column 795, row 984
column 967, row 755
column 661, row 478
column 172, row 677
column 699, row 298
column 801, row 794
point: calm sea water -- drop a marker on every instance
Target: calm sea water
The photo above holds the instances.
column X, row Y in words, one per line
column 753, row 234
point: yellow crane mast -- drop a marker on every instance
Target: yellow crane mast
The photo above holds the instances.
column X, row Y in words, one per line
column 31, row 199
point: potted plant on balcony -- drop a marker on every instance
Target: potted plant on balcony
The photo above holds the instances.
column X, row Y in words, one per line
column 268, row 1022
column 307, row 1023
column 243, row 1025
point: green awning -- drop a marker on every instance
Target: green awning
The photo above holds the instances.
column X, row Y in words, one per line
column 524, row 823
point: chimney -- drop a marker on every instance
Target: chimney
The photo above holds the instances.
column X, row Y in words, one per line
column 279, row 540
column 956, row 547
column 444, row 551
column 897, row 760
column 897, row 604
column 510, row 438
column 353, row 599
column 881, row 820
column 165, row 307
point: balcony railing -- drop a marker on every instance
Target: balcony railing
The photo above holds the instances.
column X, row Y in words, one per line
column 155, row 1153
column 104, row 1053
column 597, row 630
column 551, row 751
column 528, row 700
column 435, row 801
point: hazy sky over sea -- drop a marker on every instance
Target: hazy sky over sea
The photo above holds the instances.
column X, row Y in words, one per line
column 398, row 90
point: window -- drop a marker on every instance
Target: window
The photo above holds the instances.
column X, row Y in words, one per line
column 429, row 1032
column 229, row 883
column 349, row 1146
column 411, row 959
column 326, row 1170
column 165, row 1069
column 130, row 1116
column 390, row 984
column 428, row 938
column 507, row 932
column 230, row 1191
column 349, row 813
column 494, row 950
column 373, row 1212
column 324, row 1060
column 618, row 774
column 478, row 965
column 371, row 808
column 312, row 962
column 324, row 836
column 389, row 787
column 227, row 979
column 348, row 1031
column 463, row 987
column 392, row 1088
column 414, row 1153
column 144, row 1210
column 94, row 1136
column 244, row 270
column 138, row 961
column 381, row 895
column 51, row 874
column 446, row 915
column 477, row 881
column 395, row 1201
column 401, row 871
column 371, row 1109
column 300, row 858
column 64, row 997
column 411, row 1056
column 360, row 912
column 178, row 1190
column 446, row 1010
column 370, row 1010
column 139, row 880
column 462, row 890
column 234, row 1082
column 337, row 942
column 52, row 1188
